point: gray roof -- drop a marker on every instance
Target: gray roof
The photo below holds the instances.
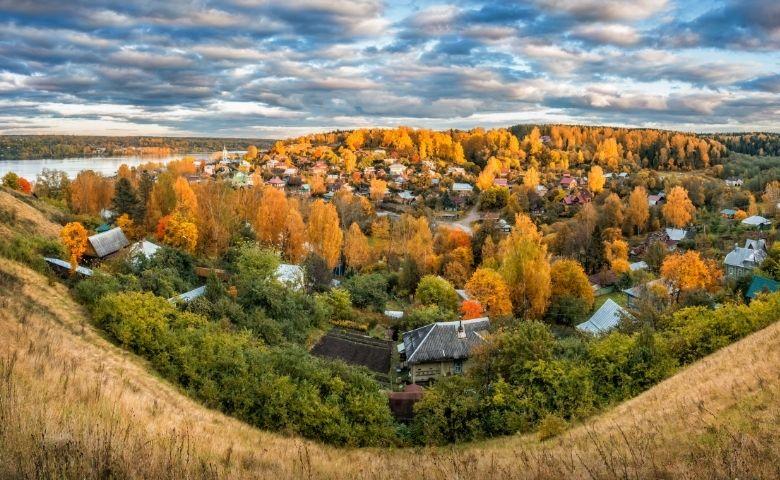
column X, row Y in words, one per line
column 191, row 295
column 62, row 263
column 638, row 290
column 676, row 234
column 108, row 242
column 462, row 187
column 749, row 256
column 439, row 341
column 638, row 266
column 756, row 220
column 145, row 247
column 606, row 318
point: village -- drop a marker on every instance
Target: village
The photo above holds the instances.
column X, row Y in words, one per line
column 419, row 274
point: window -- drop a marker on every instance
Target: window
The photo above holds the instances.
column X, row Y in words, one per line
column 458, row 367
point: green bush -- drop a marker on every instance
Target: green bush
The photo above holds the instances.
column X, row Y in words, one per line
column 368, row 291
column 434, row 290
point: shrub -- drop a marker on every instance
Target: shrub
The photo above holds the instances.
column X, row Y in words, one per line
column 551, row 426
column 368, row 291
column 434, row 290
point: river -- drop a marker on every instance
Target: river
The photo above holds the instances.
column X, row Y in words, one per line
column 30, row 169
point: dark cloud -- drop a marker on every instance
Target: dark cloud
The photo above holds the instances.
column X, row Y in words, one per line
column 235, row 66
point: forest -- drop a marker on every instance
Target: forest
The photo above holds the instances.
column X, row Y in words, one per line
column 28, row 147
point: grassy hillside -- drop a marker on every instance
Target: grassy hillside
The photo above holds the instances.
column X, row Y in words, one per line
column 74, row 405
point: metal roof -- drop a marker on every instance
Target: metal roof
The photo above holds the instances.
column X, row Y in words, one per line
column 762, row 285
column 188, row 296
column 606, row 318
column 108, row 242
column 439, row 341
column 62, row 263
column 749, row 256
column 756, row 220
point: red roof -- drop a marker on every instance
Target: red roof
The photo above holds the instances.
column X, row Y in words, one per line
column 276, row 181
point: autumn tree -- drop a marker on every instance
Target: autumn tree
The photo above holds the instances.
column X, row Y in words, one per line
column 687, row 271
column 186, row 201
column 612, row 213
column 531, row 177
column 162, row 199
column 356, row 249
column 125, row 200
column 678, row 210
column 128, row 226
column 772, row 198
column 74, row 237
column 471, row 309
column 638, row 211
column 572, row 295
column 526, row 268
column 180, row 232
column 349, row 158
column 218, row 216
column 271, row 217
column 90, row 193
column 596, row 179
column 488, row 287
column 294, row 236
column 377, row 190
column 616, row 253
column 324, row 232
column 434, row 290
column 251, row 153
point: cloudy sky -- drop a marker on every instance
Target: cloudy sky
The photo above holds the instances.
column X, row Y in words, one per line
column 264, row 68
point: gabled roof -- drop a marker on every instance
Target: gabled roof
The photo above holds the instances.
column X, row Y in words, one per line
column 606, row 318
column 462, row 187
column 638, row 266
column 762, row 285
column 108, row 242
column 440, row 342
column 756, row 220
column 676, row 234
column 749, row 256
column 145, row 247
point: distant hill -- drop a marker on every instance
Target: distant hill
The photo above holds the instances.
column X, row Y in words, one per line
column 64, row 146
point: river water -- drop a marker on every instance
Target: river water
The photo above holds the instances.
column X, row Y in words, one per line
column 30, row 169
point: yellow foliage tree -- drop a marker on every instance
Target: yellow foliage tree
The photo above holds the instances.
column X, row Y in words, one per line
column 638, row 211
column 616, row 252
column 74, row 237
column 186, row 201
column 488, row 287
column 294, row 236
column 568, row 278
column 356, row 249
column 525, row 267
column 377, row 190
column 350, row 159
column 596, row 179
column 678, row 210
column 271, row 217
column 90, row 192
column 180, row 232
column 531, row 178
column 325, row 236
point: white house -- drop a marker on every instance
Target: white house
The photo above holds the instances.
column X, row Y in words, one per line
column 742, row 260
column 458, row 187
column 397, row 169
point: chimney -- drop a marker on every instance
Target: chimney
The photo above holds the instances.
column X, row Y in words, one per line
column 461, row 330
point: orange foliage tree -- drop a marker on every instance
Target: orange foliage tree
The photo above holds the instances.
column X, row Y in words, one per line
column 688, row 271
column 294, row 235
column 377, row 190
column 271, row 217
column 470, row 309
column 678, row 210
column 596, row 179
column 638, row 211
column 74, row 237
column 616, row 252
column 324, row 232
column 186, row 201
column 356, row 249
column 90, row 192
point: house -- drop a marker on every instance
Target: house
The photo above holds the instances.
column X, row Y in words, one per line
column 397, row 169
column 63, row 267
column 742, row 260
column 106, row 243
column 462, row 188
column 734, row 182
column 396, row 314
column 657, row 199
column 500, row 182
column 761, row 285
column 580, row 198
column 606, row 318
column 637, row 266
column 676, row 235
column 453, row 171
column 568, row 182
column 290, row 172
column 290, row 275
column 442, row 349
column 757, row 221
column 541, row 190
column 276, row 182
column 406, row 196
column 635, row 294
column 603, row 282
column 319, row 168
column 728, row 213
column 145, row 248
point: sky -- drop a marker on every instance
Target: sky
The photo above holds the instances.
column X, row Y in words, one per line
column 273, row 69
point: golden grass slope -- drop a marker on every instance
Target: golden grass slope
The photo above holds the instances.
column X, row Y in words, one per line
column 29, row 218
column 72, row 405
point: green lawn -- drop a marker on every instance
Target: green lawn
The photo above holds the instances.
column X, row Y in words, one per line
column 616, row 296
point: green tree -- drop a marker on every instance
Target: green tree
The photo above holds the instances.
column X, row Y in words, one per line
column 434, row 290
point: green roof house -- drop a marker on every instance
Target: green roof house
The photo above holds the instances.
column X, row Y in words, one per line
column 762, row 285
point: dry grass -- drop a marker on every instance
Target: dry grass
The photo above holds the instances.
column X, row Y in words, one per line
column 27, row 216
column 74, row 406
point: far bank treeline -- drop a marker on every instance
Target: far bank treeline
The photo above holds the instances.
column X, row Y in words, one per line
column 30, row 147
